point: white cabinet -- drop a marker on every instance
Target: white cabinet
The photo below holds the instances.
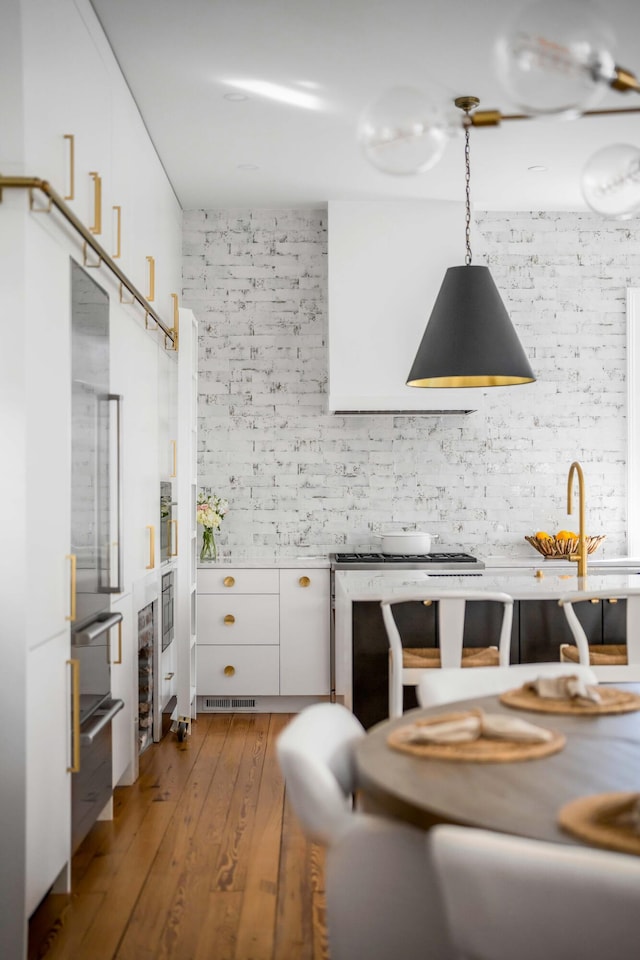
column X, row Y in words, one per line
column 387, row 260
column 48, row 763
column 123, row 648
column 263, row 631
column 304, row 632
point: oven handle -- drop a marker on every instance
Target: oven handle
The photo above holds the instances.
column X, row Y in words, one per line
column 102, row 719
column 96, row 629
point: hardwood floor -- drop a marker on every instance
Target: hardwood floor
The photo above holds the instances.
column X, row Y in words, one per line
column 204, row 860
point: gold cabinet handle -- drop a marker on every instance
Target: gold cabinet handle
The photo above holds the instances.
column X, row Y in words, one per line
column 97, row 203
column 175, row 524
column 304, row 581
column 229, row 619
column 118, row 213
column 229, row 582
column 175, row 330
column 75, row 707
column 152, row 547
column 169, row 676
column 594, row 600
column 72, row 588
column 152, row 279
column 119, row 659
column 427, row 603
column 72, row 167
column 229, row 670
column 613, row 600
column 174, row 444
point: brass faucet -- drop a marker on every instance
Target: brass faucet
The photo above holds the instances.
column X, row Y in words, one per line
column 581, row 555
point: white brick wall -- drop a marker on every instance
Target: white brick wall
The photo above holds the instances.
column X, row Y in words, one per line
column 297, row 477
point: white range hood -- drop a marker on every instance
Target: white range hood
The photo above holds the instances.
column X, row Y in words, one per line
column 387, row 260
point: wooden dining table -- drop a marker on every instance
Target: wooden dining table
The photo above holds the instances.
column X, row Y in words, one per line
column 601, row 755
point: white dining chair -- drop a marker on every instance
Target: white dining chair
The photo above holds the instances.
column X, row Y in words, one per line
column 408, row 664
column 450, row 684
column 509, row 897
column 383, row 900
column 610, row 662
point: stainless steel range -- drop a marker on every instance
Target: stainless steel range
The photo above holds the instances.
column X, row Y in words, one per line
column 435, row 562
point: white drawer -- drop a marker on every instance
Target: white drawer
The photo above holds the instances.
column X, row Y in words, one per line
column 238, row 619
column 236, row 580
column 256, row 671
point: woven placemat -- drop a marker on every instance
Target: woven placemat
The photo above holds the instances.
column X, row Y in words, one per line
column 591, row 819
column 482, row 750
column 613, row 701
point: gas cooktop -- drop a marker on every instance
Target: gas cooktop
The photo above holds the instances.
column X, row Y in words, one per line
column 405, row 561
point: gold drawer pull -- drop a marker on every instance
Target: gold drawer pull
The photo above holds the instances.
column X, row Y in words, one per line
column 613, row 601
column 427, row 603
column 118, row 212
column 594, row 600
column 119, row 658
column 152, row 279
column 229, row 582
column 73, row 560
column 304, row 581
column 72, row 166
column 97, row 203
column 229, row 670
column 229, row 618
column 152, row 547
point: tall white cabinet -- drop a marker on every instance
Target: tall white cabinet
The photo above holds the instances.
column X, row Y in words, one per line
column 55, row 50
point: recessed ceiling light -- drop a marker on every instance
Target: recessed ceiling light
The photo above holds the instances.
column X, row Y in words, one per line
column 236, row 97
column 538, row 168
column 248, row 166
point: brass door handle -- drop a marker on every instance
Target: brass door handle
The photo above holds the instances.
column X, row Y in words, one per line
column 72, row 166
column 175, row 552
column 304, row 581
column 229, row 670
column 72, row 587
column 229, row 582
column 152, row 547
column 75, row 707
column 152, row 279
column 119, row 660
column 97, row 203
column 118, row 212
column 229, row 619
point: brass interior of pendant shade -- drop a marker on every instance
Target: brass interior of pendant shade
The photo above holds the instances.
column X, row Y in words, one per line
column 482, row 381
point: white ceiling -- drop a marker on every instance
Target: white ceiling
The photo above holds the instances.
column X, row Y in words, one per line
column 180, row 58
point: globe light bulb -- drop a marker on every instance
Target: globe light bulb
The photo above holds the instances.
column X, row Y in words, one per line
column 611, row 181
column 404, row 132
column 554, row 58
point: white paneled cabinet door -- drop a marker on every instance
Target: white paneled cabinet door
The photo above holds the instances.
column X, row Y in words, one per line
column 123, row 650
column 48, row 768
column 134, row 375
column 304, row 632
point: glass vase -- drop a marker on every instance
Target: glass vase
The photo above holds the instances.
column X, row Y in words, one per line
column 208, row 550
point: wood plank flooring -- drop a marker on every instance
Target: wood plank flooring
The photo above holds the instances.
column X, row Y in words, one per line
column 204, row 860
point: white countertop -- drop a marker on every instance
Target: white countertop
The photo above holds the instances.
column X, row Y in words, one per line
column 520, row 584
column 243, row 561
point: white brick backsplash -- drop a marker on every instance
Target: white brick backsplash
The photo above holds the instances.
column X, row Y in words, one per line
column 296, row 476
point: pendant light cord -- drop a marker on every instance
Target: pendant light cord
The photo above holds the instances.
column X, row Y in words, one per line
column 467, row 166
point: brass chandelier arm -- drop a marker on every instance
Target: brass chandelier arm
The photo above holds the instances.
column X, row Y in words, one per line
column 493, row 118
column 55, row 200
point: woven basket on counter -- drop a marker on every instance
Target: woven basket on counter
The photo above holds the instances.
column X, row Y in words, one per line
column 554, row 549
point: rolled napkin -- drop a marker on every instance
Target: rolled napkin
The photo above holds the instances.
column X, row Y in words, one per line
column 493, row 726
column 563, row 688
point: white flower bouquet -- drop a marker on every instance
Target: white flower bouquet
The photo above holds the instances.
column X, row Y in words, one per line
column 210, row 511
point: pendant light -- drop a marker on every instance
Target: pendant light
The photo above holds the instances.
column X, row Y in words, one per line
column 469, row 340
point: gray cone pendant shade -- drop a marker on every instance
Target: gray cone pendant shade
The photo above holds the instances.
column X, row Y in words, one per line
column 469, row 340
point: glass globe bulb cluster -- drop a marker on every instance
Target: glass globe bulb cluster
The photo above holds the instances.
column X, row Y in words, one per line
column 554, row 60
